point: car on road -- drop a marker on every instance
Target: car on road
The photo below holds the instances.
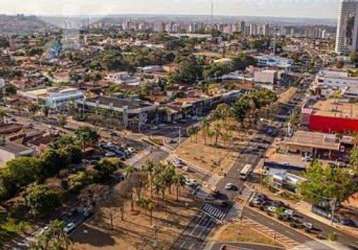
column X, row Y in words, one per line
column 230, row 186
column 69, row 227
column 308, row 225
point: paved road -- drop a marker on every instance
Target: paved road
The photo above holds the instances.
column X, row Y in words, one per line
column 195, row 234
column 272, row 224
column 243, row 246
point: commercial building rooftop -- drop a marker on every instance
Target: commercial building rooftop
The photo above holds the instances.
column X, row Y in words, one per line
column 314, row 140
column 338, row 109
column 14, row 148
column 131, row 103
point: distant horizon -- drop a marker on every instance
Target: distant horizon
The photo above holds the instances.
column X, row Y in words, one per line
column 160, row 14
column 250, row 8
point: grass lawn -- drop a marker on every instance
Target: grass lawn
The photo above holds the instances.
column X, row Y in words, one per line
column 242, row 233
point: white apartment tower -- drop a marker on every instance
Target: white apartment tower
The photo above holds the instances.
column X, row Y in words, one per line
column 347, row 28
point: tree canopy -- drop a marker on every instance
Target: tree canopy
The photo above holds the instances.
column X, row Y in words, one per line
column 324, row 183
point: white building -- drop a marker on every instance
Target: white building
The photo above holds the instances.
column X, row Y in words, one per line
column 123, row 78
column 53, row 97
column 265, row 76
column 274, row 61
column 347, row 28
column 335, row 79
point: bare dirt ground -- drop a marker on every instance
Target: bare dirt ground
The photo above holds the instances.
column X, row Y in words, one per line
column 170, row 217
column 286, row 96
column 201, row 151
column 237, row 232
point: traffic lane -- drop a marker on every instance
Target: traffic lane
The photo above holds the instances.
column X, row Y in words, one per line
column 244, row 246
column 196, row 232
column 278, row 227
column 341, row 237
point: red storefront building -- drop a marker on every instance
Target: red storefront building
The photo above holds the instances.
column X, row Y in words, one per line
column 332, row 116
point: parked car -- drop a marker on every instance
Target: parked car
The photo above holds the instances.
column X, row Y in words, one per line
column 229, row 186
column 69, row 227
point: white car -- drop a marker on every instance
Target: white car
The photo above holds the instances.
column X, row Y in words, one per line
column 271, row 209
column 308, row 225
column 229, row 186
column 69, row 227
column 131, row 150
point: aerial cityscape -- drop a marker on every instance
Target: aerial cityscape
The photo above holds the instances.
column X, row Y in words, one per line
column 179, row 125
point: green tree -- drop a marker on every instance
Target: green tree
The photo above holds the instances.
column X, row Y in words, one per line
column 42, row 200
column 148, row 205
column 54, row 238
column 79, row 180
column 3, row 114
column 52, row 162
column 354, row 57
column 149, row 169
column 86, row 136
column 179, row 181
column 327, row 183
column 105, row 168
column 354, row 159
column 24, row 170
column 188, row 71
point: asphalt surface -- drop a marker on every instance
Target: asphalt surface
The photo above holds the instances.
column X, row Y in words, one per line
column 195, row 234
column 243, row 246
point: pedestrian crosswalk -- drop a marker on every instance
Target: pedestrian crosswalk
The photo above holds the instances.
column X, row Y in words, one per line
column 215, row 212
column 287, row 242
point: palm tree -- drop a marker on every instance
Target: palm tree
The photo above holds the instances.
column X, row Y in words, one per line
column 128, row 171
column 217, row 131
column 148, row 205
column 206, row 128
column 149, row 169
column 179, row 181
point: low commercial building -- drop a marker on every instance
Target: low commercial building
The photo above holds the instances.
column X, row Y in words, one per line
column 126, row 109
column 123, row 78
column 334, row 78
column 332, row 116
column 316, row 145
column 53, row 97
column 274, row 61
column 10, row 150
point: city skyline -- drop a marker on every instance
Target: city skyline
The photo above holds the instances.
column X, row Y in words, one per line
column 270, row 8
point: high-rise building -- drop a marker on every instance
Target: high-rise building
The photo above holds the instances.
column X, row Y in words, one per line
column 242, row 27
column 253, row 29
column 347, row 28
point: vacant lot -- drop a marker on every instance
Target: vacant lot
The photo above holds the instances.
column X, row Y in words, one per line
column 170, row 217
column 237, row 232
column 203, row 152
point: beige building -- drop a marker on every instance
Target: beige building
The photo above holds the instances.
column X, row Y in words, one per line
column 10, row 150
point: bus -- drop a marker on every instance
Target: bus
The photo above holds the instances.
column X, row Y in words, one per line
column 246, row 171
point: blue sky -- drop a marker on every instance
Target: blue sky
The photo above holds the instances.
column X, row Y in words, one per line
column 284, row 8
